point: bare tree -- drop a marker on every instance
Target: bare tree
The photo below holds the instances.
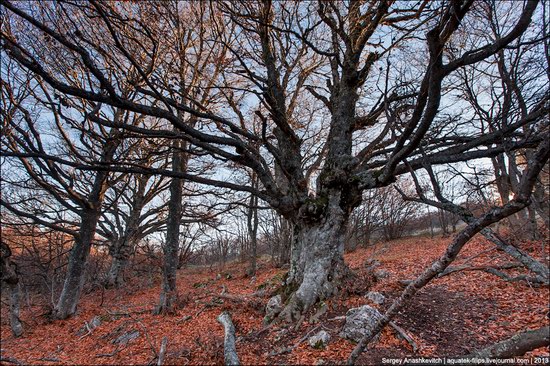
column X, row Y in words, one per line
column 332, row 124
column 475, row 225
column 502, row 94
column 129, row 216
column 77, row 198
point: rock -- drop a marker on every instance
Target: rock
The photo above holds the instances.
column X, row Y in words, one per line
column 273, row 308
column 90, row 326
column 219, row 276
column 126, row 337
column 319, row 340
column 359, row 321
column 381, row 274
column 375, row 297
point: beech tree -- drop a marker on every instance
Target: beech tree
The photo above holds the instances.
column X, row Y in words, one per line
column 131, row 213
column 349, row 96
column 52, row 193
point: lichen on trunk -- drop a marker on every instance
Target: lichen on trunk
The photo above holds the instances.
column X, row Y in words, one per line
column 317, row 260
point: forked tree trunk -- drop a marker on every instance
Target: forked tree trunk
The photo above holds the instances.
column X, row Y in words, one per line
column 89, row 217
column 74, row 280
column 317, row 260
column 124, row 246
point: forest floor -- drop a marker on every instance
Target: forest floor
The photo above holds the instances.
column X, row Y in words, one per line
column 452, row 316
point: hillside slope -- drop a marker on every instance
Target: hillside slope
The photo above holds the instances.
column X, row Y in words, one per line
column 454, row 315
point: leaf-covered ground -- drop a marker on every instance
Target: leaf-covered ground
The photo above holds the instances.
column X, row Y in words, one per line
column 454, row 315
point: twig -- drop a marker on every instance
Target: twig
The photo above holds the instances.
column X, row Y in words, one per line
column 184, row 319
column 258, row 332
column 109, row 354
column 88, row 329
column 49, row 359
column 210, row 304
column 405, row 336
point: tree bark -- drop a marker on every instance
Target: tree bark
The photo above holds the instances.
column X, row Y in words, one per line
column 121, row 256
column 168, row 294
column 317, row 258
column 229, row 347
column 74, row 280
column 517, row 345
column 10, row 278
column 89, row 218
column 252, row 226
column 123, row 247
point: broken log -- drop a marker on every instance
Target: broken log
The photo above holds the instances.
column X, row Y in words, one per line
column 229, row 346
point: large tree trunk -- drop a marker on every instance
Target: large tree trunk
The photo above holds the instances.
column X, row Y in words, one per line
column 541, row 202
column 285, row 237
column 121, row 252
column 74, row 280
column 122, row 248
column 10, row 278
column 168, row 293
column 90, row 214
column 317, row 259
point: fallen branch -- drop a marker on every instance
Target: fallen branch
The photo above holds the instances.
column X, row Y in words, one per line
column 10, row 360
column 162, row 351
column 117, row 349
column 49, row 359
column 521, row 200
column 229, row 347
column 256, row 334
column 517, row 345
column 405, row 336
column 494, row 270
column 184, row 319
column 210, row 304
column 467, row 267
